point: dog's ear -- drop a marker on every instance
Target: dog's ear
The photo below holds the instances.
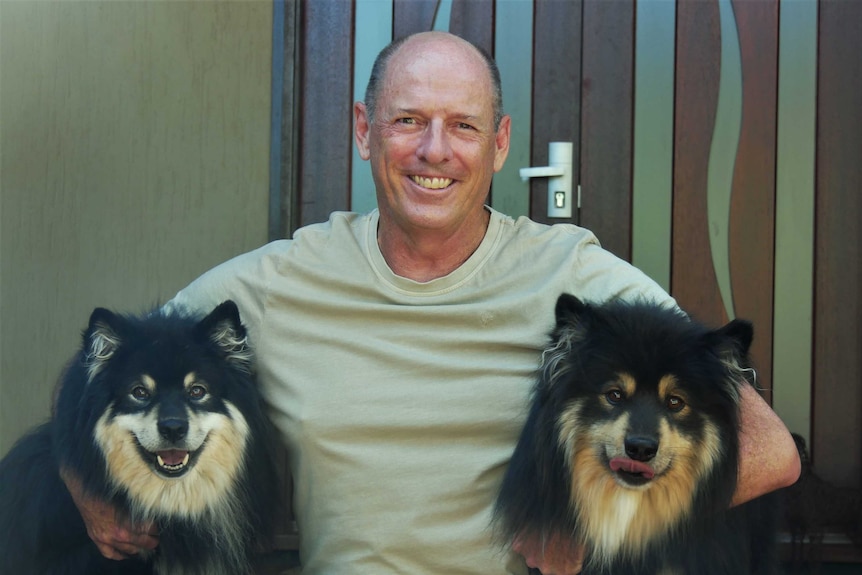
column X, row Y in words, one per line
column 739, row 333
column 572, row 320
column 731, row 343
column 224, row 328
column 571, row 329
column 101, row 340
column 569, row 308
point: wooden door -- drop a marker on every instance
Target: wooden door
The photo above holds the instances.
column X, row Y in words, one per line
column 322, row 54
column 715, row 144
column 551, row 72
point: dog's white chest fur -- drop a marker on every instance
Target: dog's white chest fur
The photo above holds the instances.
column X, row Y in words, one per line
column 613, row 533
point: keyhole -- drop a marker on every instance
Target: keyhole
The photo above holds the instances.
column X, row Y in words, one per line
column 560, row 199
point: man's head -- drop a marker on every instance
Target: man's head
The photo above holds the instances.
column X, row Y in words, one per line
column 434, row 141
column 379, row 70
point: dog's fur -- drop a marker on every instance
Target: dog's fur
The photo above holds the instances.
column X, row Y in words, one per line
column 631, row 445
column 159, row 415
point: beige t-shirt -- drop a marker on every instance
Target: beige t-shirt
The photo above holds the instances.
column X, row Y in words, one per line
column 401, row 402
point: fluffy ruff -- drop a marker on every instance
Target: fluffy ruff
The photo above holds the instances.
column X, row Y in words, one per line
column 631, row 444
column 161, row 416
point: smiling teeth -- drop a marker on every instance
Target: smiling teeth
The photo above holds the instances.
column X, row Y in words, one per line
column 170, row 467
column 432, row 183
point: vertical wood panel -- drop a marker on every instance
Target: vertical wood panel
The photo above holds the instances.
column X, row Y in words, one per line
column 607, row 116
column 474, row 21
column 556, row 92
column 837, row 445
column 411, row 16
column 752, row 209
column 326, row 128
column 284, row 193
column 698, row 49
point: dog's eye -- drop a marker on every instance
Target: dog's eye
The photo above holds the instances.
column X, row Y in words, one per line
column 614, row 396
column 140, row 393
column 675, row 403
column 197, row 392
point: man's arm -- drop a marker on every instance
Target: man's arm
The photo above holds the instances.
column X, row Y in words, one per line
column 768, row 458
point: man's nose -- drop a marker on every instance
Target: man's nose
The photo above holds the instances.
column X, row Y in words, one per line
column 435, row 146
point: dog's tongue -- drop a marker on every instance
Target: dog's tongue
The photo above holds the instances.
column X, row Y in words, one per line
column 631, row 466
column 172, row 456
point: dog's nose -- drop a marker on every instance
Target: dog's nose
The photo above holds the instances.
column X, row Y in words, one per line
column 641, row 448
column 173, row 429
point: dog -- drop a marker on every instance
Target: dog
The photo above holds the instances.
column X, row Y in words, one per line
column 630, row 446
column 160, row 415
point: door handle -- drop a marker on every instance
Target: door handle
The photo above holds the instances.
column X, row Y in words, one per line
column 559, row 174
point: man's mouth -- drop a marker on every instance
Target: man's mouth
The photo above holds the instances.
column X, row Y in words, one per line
column 432, row 183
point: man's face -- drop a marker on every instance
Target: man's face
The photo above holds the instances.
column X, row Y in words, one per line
column 433, row 146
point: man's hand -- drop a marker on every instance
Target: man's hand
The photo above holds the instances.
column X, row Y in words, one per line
column 554, row 556
column 113, row 535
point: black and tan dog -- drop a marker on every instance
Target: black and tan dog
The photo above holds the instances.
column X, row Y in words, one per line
column 161, row 416
column 631, row 445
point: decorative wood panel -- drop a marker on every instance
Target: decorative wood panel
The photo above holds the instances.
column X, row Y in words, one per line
column 327, row 103
column 729, row 240
column 837, row 407
column 693, row 279
column 474, row 20
column 607, row 122
column 285, row 140
column 556, row 92
column 752, row 209
column 411, row 16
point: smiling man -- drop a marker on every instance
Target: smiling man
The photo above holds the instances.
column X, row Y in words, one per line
column 433, row 152
column 397, row 349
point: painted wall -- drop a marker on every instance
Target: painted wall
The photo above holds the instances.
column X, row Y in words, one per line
column 135, row 150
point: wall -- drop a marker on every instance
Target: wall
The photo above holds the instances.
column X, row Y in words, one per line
column 135, row 155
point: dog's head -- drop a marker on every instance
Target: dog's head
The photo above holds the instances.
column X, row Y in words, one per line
column 172, row 435
column 645, row 403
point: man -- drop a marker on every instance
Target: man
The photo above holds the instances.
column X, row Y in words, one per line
column 397, row 349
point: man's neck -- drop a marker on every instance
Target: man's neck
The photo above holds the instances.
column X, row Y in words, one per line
column 427, row 255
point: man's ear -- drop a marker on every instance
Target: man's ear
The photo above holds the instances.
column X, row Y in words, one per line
column 504, row 132
column 361, row 129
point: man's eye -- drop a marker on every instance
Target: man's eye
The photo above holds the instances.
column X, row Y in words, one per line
column 408, row 121
column 465, row 126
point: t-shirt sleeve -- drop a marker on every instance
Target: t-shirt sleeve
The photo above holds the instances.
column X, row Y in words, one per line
column 243, row 279
column 601, row 276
